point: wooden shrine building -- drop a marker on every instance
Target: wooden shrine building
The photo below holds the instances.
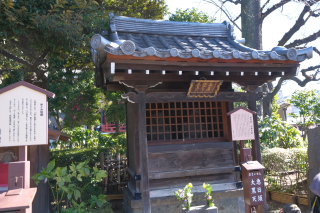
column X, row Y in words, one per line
column 178, row 78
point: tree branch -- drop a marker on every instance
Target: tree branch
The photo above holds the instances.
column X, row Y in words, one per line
column 305, row 40
column 232, row 1
column 316, row 50
column 237, row 17
column 225, row 12
column 300, row 22
column 265, row 4
column 20, row 60
column 273, row 8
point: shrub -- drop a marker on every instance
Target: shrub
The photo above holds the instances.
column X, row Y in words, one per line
column 286, row 169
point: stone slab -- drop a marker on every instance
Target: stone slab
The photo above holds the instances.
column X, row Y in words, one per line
column 202, row 209
column 313, row 152
column 226, row 201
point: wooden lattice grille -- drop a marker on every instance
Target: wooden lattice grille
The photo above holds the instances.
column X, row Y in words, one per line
column 185, row 120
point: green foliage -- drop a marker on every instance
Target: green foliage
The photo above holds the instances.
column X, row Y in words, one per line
column 308, row 103
column 65, row 181
column 151, row 9
column 76, row 97
column 115, row 109
column 275, row 133
column 279, row 162
column 81, row 137
column 191, row 15
column 65, row 157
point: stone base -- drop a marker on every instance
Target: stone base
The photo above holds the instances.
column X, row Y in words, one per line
column 202, row 209
column 226, row 201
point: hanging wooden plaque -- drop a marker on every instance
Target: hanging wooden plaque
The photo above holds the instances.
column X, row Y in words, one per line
column 204, row 88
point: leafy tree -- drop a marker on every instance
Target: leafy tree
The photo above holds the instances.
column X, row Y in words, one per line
column 308, row 103
column 191, row 15
column 275, row 133
column 115, row 109
column 151, row 9
column 253, row 14
column 33, row 32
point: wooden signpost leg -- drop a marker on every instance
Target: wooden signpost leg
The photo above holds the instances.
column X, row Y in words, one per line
column 143, row 148
column 23, row 153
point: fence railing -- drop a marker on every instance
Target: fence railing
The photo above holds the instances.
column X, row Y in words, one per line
column 115, row 167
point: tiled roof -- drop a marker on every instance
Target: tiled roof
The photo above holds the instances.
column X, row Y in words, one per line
column 142, row 37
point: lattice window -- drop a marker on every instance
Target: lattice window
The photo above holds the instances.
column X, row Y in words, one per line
column 185, row 120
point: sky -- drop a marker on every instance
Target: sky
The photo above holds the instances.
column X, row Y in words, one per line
column 274, row 27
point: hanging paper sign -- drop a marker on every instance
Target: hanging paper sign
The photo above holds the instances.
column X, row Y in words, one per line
column 242, row 127
column 24, row 115
column 203, row 88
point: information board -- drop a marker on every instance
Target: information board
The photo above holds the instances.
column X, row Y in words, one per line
column 24, row 114
column 242, row 125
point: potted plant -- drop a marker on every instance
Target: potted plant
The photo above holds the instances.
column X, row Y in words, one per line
column 185, row 196
column 208, row 195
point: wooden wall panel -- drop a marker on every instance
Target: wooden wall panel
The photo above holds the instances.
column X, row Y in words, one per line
column 188, row 160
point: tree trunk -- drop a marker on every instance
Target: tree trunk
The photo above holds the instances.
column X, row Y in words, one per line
column 251, row 23
column 117, row 124
column 267, row 101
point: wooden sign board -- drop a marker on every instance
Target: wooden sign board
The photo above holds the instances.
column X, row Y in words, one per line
column 242, row 127
column 204, row 88
column 24, row 115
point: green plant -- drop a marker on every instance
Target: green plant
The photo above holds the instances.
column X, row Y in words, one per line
column 185, row 196
column 208, row 196
column 191, row 15
column 308, row 103
column 63, row 181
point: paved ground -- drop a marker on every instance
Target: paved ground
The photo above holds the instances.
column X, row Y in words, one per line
column 274, row 207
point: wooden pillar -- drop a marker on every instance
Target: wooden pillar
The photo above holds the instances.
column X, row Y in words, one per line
column 39, row 158
column 143, row 148
column 256, row 149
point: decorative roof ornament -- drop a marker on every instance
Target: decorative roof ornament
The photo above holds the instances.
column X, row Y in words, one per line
column 128, row 47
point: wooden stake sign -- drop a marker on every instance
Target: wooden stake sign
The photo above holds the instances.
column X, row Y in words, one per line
column 24, row 115
column 204, row 88
column 242, row 124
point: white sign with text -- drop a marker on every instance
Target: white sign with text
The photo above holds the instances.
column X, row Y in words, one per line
column 23, row 113
column 242, row 125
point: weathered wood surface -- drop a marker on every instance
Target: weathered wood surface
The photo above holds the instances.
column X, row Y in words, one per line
column 187, row 77
column 313, row 154
column 188, row 160
column 143, row 148
column 23, row 201
column 192, row 172
column 195, row 180
column 189, row 147
column 39, row 158
column 164, row 97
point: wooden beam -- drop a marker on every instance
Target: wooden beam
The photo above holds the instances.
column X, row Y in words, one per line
column 188, row 77
column 146, row 206
column 165, row 97
column 203, row 67
column 194, row 172
column 199, row 62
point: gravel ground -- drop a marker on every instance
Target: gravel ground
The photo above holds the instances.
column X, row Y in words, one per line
column 274, row 207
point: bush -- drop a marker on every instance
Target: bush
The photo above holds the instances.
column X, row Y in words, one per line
column 85, row 138
column 286, row 169
column 66, row 157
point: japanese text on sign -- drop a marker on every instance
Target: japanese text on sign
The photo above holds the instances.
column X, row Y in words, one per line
column 23, row 117
column 256, row 184
column 242, row 125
